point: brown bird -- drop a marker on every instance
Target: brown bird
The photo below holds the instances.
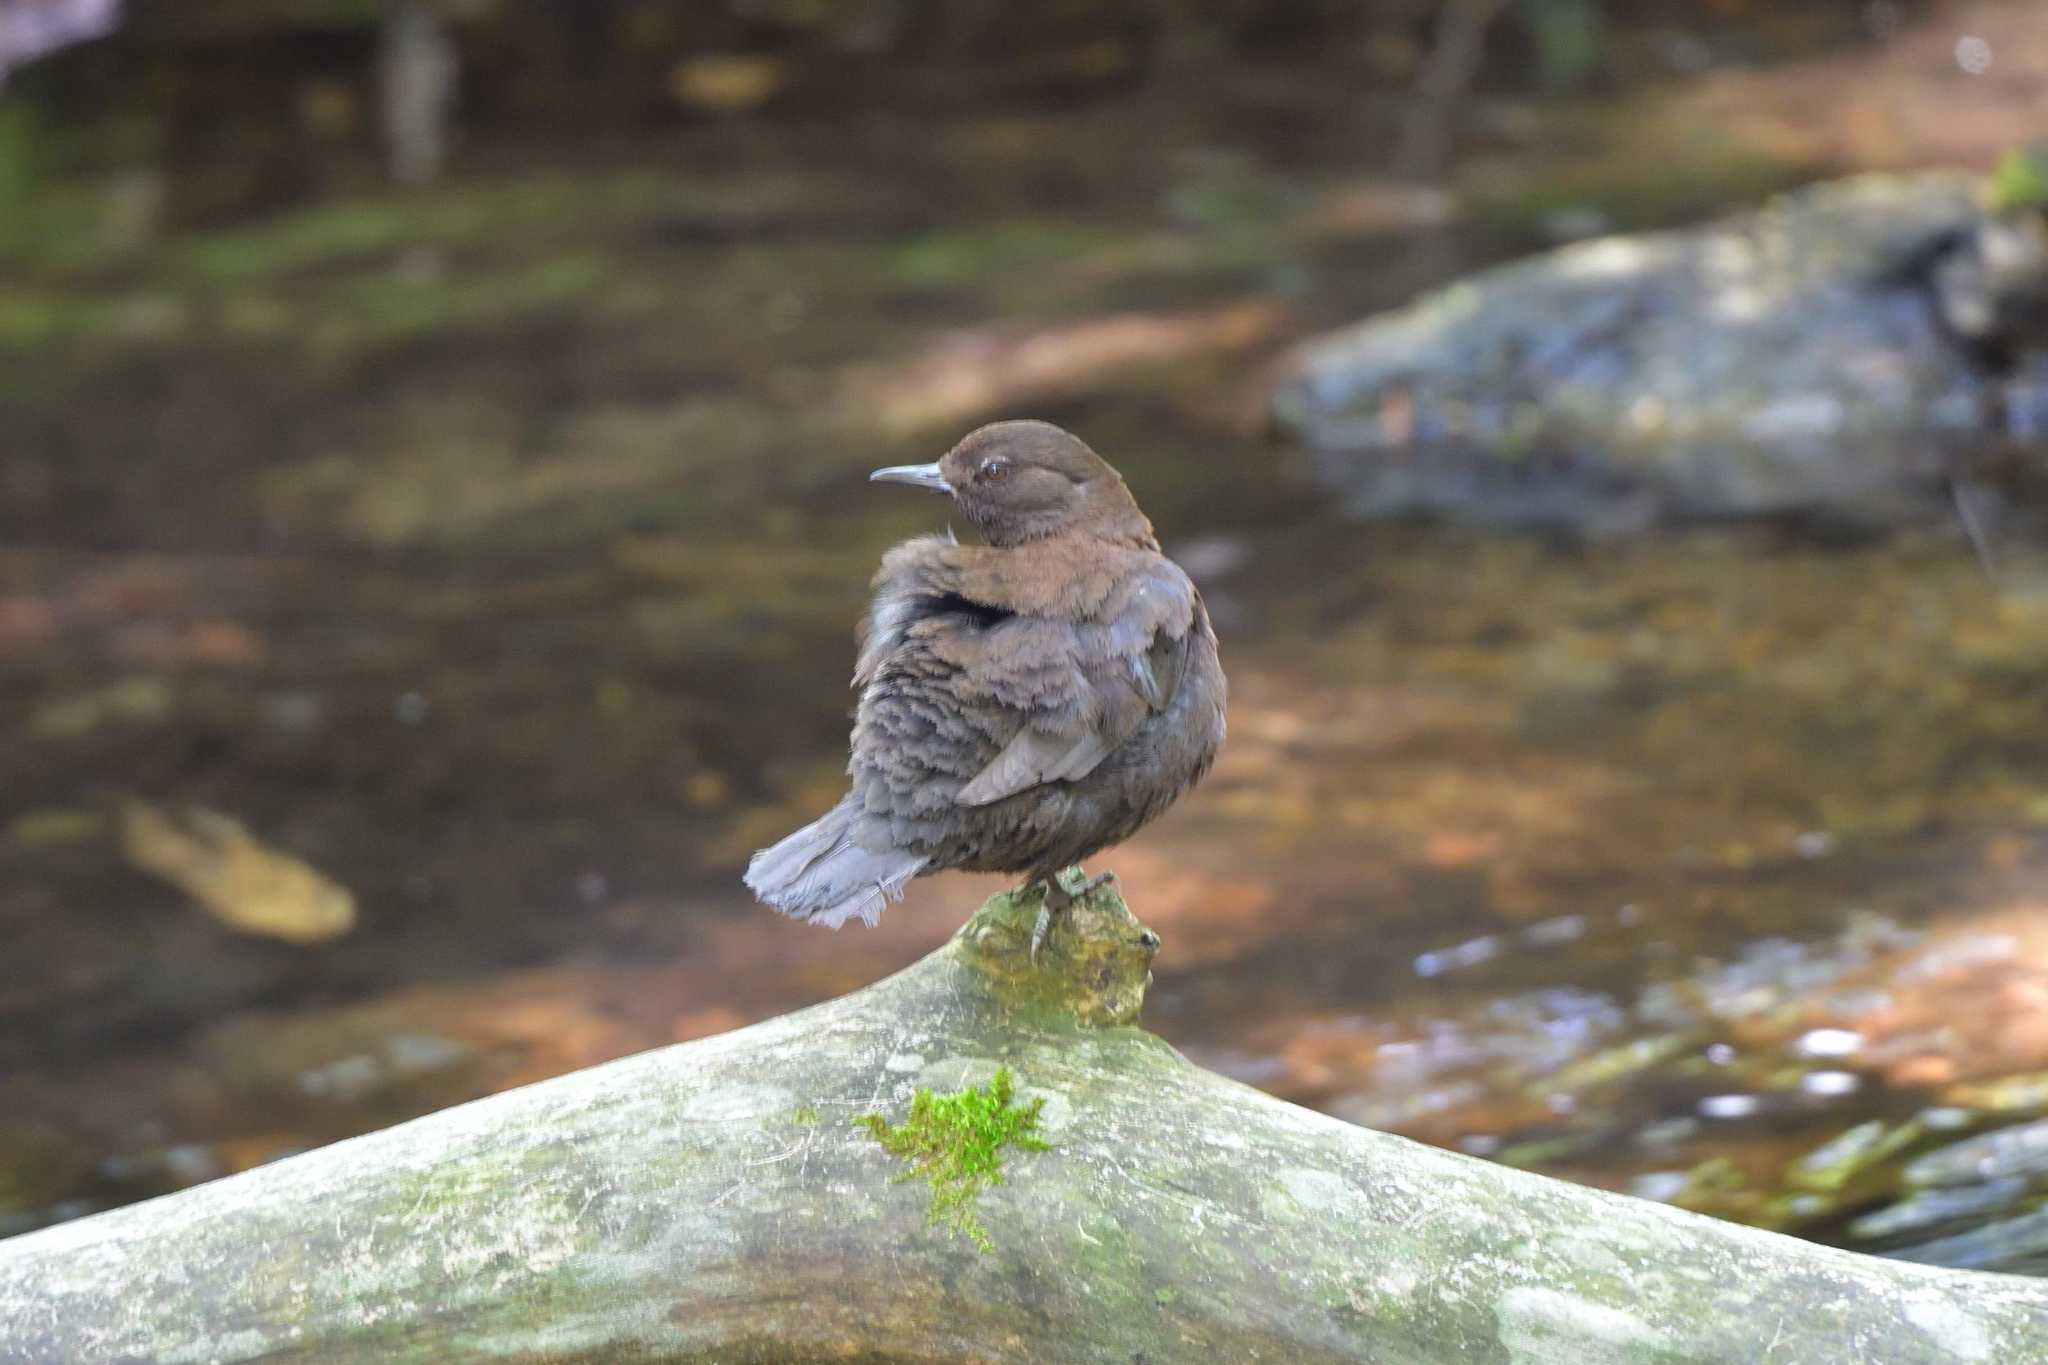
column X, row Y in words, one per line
column 1024, row 703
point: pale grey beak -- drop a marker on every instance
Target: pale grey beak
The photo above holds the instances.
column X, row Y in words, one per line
column 916, row 475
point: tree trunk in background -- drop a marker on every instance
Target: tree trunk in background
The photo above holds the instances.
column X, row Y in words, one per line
column 1447, row 73
column 715, row 1201
column 417, row 70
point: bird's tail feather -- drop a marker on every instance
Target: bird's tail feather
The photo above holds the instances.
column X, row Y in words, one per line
column 821, row 875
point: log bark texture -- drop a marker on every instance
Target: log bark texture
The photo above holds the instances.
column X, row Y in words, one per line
column 714, row 1201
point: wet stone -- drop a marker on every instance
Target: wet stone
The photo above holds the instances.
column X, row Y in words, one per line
column 2019, row 1150
column 1932, row 1208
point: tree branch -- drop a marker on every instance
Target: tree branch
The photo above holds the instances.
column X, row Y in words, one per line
column 715, row 1201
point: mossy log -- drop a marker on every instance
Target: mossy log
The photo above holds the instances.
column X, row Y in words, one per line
column 716, row 1201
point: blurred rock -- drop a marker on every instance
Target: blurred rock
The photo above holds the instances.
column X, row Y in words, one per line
column 32, row 28
column 1932, row 1208
column 2013, row 1244
column 2020, row 1150
column 1803, row 356
column 1840, row 1161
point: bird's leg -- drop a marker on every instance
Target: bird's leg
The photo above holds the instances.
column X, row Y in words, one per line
column 1076, row 884
column 1054, row 901
column 1041, row 929
column 1062, row 889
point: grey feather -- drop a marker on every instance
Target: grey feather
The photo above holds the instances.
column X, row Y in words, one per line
column 1156, row 673
column 824, row 874
column 1031, row 758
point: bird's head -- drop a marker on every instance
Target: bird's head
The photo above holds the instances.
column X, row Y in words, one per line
column 1021, row 481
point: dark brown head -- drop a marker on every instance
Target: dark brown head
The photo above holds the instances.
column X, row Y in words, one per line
column 1020, row 481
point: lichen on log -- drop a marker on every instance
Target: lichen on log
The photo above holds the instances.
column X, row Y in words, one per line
column 715, row 1200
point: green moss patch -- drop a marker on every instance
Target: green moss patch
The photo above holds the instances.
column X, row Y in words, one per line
column 955, row 1142
column 2021, row 180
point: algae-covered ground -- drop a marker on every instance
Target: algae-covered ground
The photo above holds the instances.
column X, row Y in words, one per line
column 491, row 550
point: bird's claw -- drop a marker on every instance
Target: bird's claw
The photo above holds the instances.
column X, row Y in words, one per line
column 1076, row 885
column 1062, row 889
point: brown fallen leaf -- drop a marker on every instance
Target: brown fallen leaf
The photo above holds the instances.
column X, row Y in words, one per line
column 234, row 878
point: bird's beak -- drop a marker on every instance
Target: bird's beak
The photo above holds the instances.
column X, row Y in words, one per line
column 916, row 475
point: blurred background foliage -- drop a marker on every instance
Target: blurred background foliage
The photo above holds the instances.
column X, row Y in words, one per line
column 257, row 105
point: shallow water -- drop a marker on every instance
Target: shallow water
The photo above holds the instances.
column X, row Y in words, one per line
column 497, row 553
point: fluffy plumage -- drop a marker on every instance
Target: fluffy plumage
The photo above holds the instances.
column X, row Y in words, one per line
column 1023, row 703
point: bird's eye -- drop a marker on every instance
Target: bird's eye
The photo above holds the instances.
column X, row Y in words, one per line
column 996, row 470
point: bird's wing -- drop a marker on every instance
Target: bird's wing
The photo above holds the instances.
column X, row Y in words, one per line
column 908, row 587
column 1085, row 687
column 1156, row 673
column 1036, row 756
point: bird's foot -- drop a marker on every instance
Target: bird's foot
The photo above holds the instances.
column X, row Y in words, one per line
column 1062, row 889
column 1076, row 883
column 1041, row 929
